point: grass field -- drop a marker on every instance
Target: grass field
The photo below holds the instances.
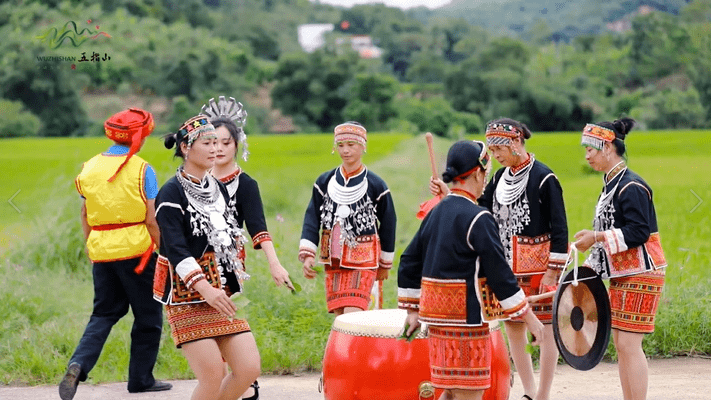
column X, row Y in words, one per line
column 47, row 292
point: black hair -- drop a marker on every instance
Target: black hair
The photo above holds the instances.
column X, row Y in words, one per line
column 462, row 157
column 622, row 128
column 520, row 125
column 171, row 140
column 231, row 128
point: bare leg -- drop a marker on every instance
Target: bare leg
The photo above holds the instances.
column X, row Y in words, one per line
column 516, row 333
column 242, row 355
column 460, row 394
column 345, row 310
column 206, row 363
column 549, row 360
column 632, row 364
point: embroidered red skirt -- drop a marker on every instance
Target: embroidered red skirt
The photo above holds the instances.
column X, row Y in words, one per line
column 196, row 321
column 543, row 309
column 348, row 287
column 634, row 301
column 460, row 357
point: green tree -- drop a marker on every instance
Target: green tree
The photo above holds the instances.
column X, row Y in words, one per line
column 672, row 108
column 659, row 45
column 16, row 121
column 314, row 87
column 371, row 100
column 45, row 88
column 427, row 67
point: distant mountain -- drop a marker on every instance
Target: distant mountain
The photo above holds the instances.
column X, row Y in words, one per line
column 564, row 18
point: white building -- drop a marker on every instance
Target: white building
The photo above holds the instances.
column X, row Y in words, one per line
column 311, row 36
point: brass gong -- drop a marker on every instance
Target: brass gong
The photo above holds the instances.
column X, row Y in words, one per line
column 581, row 319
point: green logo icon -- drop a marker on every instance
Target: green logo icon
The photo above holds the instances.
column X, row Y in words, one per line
column 55, row 37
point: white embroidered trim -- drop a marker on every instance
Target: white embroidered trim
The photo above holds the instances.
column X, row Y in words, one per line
column 382, row 194
column 471, row 226
column 305, row 243
column 168, row 204
column 387, row 256
column 561, row 257
column 513, row 301
column 638, row 184
column 410, row 293
column 544, row 179
column 319, row 189
column 185, row 267
column 615, row 241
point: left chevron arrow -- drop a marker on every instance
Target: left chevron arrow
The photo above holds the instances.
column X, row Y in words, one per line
column 13, row 204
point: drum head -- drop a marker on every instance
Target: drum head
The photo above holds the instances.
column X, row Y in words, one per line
column 373, row 323
column 581, row 319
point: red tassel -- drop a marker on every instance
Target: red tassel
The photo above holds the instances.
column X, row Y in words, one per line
column 144, row 259
column 427, row 206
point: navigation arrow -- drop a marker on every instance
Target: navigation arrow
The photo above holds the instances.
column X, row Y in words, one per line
column 12, row 204
column 700, row 201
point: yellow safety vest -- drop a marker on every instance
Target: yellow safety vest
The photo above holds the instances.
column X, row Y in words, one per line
column 116, row 210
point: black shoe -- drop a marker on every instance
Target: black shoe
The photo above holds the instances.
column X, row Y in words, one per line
column 255, row 396
column 158, row 386
column 70, row 381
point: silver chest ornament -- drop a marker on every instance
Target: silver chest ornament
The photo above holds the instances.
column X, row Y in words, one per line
column 343, row 211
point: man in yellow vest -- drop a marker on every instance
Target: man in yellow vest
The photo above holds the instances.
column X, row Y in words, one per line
column 118, row 220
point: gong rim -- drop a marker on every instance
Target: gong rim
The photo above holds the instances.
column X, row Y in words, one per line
column 574, row 326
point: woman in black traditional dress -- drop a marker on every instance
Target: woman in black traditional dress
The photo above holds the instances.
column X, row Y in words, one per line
column 228, row 117
column 440, row 279
column 526, row 200
column 200, row 269
column 624, row 247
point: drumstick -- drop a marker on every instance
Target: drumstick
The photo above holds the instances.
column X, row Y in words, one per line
column 430, row 148
column 537, row 297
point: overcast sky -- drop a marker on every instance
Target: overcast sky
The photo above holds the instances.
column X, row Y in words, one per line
column 391, row 3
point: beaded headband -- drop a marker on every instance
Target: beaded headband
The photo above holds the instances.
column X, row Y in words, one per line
column 232, row 110
column 501, row 134
column 595, row 136
column 195, row 128
column 349, row 132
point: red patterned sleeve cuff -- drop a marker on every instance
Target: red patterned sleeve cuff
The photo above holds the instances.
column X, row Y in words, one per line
column 386, row 260
column 614, row 241
column 306, row 249
column 408, row 299
column 557, row 261
column 192, row 278
column 518, row 310
column 257, row 239
column 515, row 305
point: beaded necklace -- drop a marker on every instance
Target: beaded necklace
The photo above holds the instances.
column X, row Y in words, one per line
column 348, row 209
column 511, row 209
column 605, row 216
column 210, row 217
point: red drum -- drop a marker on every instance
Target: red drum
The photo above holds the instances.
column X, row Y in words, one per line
column 365, row 360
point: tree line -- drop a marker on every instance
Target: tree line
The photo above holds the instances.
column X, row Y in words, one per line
column 437, row 72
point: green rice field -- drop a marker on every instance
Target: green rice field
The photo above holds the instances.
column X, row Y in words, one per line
column 47, row 291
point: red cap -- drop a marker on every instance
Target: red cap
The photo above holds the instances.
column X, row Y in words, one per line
column 129, row 127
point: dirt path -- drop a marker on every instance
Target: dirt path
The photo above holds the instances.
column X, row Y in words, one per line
column 669, row 379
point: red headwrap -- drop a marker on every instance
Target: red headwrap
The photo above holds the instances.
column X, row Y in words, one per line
column 129, row 127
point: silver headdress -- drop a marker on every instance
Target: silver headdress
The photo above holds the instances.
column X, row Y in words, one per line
column 233, row 110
